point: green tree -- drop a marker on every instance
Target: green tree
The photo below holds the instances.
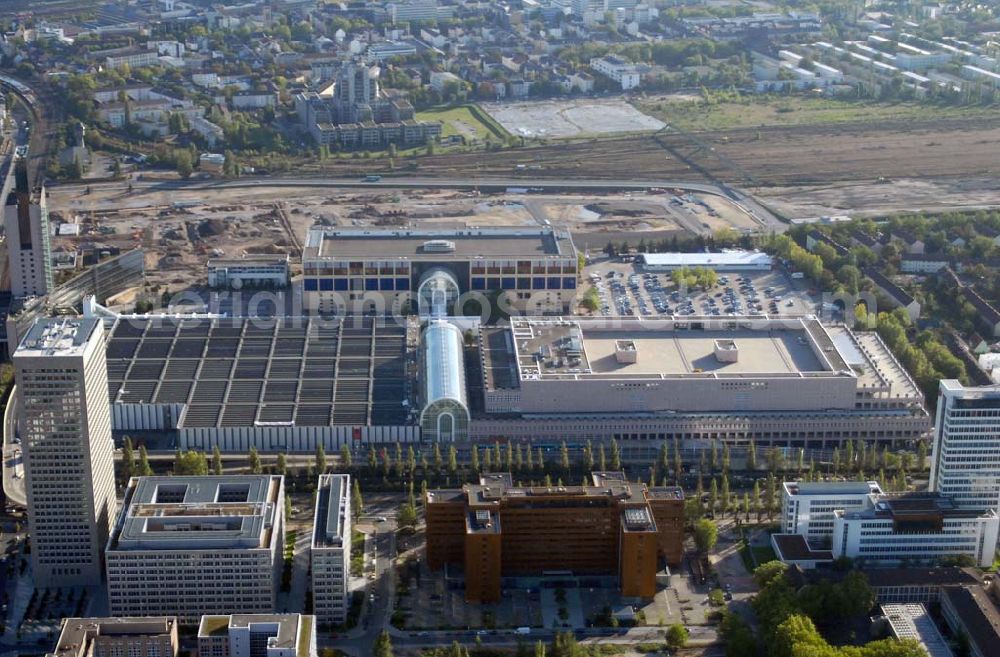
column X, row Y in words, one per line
column 190, row 462
column 616, row 458
column 216, row 460
column 475, row 458
column 320, row 459
column 725, row 496
column 439, row 460
column 144, row 469
column 452, row 459
column 739, row 638
column 677, row 637
column 281, row 467
column 921, row 456
column 128, row 460
column 357, row 502
column 751, row 456
column 705, row 535
column 383, row 645
column 407, row 516
column 254, row 460
column 183, row 162
column 564, row 457
column 346, row 459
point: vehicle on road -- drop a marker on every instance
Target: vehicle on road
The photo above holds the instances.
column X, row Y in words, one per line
column 372, row 178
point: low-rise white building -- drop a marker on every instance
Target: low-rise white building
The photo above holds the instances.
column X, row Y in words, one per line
column 257, row 635
column 189, row 546
column 618, row 69
column 808, row 507
column 331, row 549
column 252, row 270
column 915, row 527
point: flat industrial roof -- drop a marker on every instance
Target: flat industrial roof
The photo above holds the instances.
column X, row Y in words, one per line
column 331, row 510
column 260, row 372
column 710, row 260
column 558, row 347
column 57, row 337
column 197, row 512
column 510, row 243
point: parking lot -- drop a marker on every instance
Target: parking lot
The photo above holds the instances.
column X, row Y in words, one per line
column 624, row 289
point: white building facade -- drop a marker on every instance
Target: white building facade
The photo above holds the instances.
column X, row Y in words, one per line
column 331, row 549
column 965, row 463
column 915, row 529
column 26, row 224
column 64, row 422
column 189, row 546
column 808, row 508
column 257, row 635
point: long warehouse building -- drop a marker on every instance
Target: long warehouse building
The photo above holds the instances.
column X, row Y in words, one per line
column 290, row 384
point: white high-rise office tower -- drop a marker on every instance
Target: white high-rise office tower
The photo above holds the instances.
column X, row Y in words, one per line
column 331, row 549
column 965, row 464
column 26, row 223
column 65, row 425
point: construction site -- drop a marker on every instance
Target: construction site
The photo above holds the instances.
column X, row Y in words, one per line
column 180, row 230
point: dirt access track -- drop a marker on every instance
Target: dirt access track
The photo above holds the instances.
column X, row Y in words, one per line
column 775, row 155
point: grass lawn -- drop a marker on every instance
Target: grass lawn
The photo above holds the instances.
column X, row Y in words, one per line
column 458, row 121
column 756, row 111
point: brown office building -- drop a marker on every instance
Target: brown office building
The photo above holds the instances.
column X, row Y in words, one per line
column 495, row 530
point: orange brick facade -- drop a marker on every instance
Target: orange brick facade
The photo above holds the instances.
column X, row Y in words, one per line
column 496, row 530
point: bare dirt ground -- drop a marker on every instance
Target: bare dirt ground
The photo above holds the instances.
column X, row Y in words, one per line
column 772, row 156
column 871, row 199
column 181, row 229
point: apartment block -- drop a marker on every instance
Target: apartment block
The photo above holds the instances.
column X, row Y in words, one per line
column 965, row 462
column 190, row 546
column 330, row 552
column 808, row 507
column 495, row 530
column 65, row 425
column 154, row 636
column 257, row 635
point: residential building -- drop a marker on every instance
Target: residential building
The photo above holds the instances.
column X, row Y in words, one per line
column 620, row 70
column 965, row 461
column 257, row 635
column 250, row 270
column 898, row 297
column 64, row 422
column 416, row 11
column 360, row 115
column 251, row 101
column 154, row 636
column 190, row 546
column 808, row 507
column 132, row 57
column 915, row 527
column 26, row 225
column 330, row 552
column 495, row 530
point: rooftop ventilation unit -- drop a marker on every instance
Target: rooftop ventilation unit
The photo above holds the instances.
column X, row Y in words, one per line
column 439, row 246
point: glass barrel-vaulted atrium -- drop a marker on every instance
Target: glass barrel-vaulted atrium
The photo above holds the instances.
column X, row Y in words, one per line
column 445, row 414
